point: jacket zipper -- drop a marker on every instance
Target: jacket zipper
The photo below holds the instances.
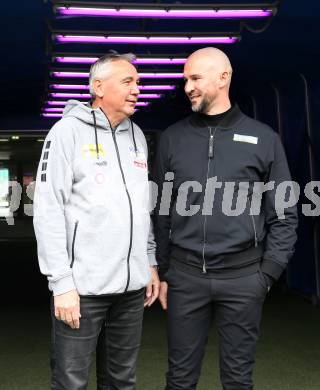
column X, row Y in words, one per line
column 210, row 157
column 130, row 206
column 73, row 242
column 255, row 231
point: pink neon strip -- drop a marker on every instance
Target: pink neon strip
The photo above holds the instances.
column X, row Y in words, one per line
column 53, row 109
column 59, row 115
column 64, row 102
column 71, row 95
column 142, row 75
column 144, row 40
column 141, row 87
column 138, row 61
column 51, row 115
column 88, row 96
column 150, row 96
column 157, row 87
column 162, row 13
column 56, row 102
column 77, row 60
column 70, row 86
column 161, row 75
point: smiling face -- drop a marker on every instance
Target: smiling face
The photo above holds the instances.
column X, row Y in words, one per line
column 117, row 94
column 207, row 80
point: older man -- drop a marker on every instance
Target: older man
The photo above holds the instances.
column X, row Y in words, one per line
column 214, row 261
column 95, row 242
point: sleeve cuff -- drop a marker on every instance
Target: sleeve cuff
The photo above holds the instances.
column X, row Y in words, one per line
column 62, row 285
column 152, row 259
column 162, row 274
column 271, row 268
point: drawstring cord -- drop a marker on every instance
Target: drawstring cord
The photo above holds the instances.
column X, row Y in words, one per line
column 134, row 138
column 95, row 132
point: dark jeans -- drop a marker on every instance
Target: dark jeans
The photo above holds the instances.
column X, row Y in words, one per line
column 101, row 360
column 193, row 302
column 72, row 350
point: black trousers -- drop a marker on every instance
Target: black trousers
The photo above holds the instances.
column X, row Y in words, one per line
column 72, row 349
column 193, row 302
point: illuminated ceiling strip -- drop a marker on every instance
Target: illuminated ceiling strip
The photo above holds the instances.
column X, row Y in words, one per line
column 141, row 87
column 88, row 96
column 166, row 11
column 174, row 40
column 138, row 61
column 156, row 75
column 64, row 102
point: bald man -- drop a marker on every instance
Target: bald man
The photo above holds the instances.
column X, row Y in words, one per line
column 215, row 259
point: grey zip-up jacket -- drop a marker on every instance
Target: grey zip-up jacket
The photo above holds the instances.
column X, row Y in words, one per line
column 91, row 205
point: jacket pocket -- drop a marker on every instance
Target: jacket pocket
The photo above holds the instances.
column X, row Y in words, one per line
column 262, row 281
column 73, row 243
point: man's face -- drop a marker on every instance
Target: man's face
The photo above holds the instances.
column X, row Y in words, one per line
column 120, row 90
column 201, row 84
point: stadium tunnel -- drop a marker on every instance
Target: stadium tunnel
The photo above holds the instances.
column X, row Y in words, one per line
column 275, row 59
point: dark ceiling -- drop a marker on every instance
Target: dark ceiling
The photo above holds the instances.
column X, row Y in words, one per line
column 289, row 46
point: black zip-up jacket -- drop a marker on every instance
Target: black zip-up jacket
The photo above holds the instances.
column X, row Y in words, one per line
column 240, row 149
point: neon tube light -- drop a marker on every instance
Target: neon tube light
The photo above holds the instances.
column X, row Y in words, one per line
column 64, row 102
column 51, row 115
column 166, row 12
column 141, row 87
column 138, row 61
column 88, row 96
column 156, row 75
column 174, row 40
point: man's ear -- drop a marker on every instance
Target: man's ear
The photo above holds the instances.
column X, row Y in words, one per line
column 97, row 86
column 224, row 78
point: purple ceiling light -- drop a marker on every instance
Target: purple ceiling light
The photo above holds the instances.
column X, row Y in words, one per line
column 71, row 74
column 64, row 102
column 160, row 61
column 59, row 115
column 70, row 95
column 150, row 96
column 51, row 115
column 166, row 12
column 71, row 86
column 141, row 87
column 138, row 61
column 156, row 75
column 174, row 40
column 53, row 109
column 88, row 96
column 56, row 102
column 142, row 104
column 159, row 75
column 76, row 60
column 157, row 87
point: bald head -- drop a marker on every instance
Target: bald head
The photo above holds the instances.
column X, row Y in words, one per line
column 207, row 74
column 212, row 58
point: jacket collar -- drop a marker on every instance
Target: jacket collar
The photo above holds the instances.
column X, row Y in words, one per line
column 228, row 121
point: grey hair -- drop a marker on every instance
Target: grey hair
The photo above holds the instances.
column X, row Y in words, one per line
column 99, row 70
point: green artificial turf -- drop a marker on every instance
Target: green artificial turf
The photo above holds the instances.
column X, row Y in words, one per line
column 288, row 355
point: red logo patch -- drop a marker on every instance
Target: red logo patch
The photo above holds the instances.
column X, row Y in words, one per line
column 140, row 164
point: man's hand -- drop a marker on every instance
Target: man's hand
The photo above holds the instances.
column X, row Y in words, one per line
column 67, row 308
column 152, row 291
column 163, row 295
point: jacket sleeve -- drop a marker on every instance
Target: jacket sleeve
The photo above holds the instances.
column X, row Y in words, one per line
column 281, row 233
column 52, row 192
column 162, row 224
column 151, row 246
